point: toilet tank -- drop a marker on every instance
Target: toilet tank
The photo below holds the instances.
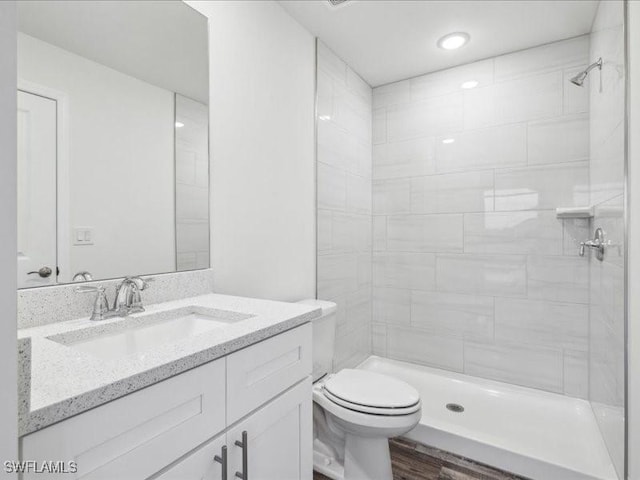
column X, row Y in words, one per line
column 324, row 335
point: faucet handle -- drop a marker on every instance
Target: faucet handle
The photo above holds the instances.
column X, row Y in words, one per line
column 141, row 283
column 101, row 304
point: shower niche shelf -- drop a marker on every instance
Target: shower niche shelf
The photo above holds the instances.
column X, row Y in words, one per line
column 574, row 212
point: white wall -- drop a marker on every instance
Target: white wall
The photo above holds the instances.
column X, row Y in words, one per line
column 633, row 293
column 121, row 180
column 8, row 356
column 262, row 66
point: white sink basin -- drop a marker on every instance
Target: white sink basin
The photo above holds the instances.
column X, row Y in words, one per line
column 139, row 335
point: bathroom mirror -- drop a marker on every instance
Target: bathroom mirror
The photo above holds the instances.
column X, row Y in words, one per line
column 113, row 163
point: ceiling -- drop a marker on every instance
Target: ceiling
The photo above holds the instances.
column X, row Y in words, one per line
column 390, row 40
column 154, row 41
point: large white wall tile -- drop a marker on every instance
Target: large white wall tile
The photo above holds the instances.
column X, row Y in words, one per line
column 424, row 233
column 482, row 274
column 392, row 196
column 424, row 194
column 466, row 316
column 554, row 56
column 529, row 98
column 504, row 146
column 513, row 232
column 432, row 117
column 607, row 166
column 330, row 63
column 352, row 349
column 564, row 279
column 379, row 233
column 391, row 305
column 531, row 367
column 346, row 233
column 576, row 374
column 558, row 140
column 452, row 193
column 379, row 339
column 332, row 187
column 337, row 274
column 534, row 322
column 450, row 81
column 379, row 126
column 425, row 348
column 404, row 270
column 357, row 85
column 358, row 194
column 464, row 192
column 391, row 94
column 404, row 159
column 542, row 188
column 325, row 231
column 514, row 101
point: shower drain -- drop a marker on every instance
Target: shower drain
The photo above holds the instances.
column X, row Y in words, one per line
column 454, row 407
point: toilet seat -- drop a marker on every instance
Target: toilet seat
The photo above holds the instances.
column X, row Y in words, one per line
column 371, row 393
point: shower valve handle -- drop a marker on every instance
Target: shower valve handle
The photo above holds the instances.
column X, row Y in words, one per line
column 597, row 243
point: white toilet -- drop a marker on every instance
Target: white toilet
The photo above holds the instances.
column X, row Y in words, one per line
column 355, row 412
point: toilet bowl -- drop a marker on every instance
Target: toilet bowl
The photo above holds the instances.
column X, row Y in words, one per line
column 355, row 412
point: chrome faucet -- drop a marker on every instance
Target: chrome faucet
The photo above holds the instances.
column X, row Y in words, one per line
column 128, row 299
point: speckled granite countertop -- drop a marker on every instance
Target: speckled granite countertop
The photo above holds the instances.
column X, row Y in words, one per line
column 65, row 381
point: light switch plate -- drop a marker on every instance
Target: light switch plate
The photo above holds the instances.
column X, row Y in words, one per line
column 83, row 236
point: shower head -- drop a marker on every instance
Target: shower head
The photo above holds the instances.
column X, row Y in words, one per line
column 579, row 79
column 582, row 76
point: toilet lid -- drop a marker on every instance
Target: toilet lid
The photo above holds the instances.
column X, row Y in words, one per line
column 369, row 389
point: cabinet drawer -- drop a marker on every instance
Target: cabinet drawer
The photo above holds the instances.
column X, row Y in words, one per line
column 262, row 371
column 137, row 435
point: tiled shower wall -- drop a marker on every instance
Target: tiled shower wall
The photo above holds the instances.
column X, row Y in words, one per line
column 344, row 203
column 607, row 342
column 472, row 271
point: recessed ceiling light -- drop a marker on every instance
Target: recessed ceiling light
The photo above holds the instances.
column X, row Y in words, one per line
column 469, row 84
column 179, row 124
column 448, row 140
column 453, row 41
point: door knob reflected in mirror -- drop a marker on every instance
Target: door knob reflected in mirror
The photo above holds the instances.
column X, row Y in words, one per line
column 44, row 272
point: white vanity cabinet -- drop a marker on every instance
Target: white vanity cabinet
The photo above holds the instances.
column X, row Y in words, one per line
column 273, row 443
column 176, row 428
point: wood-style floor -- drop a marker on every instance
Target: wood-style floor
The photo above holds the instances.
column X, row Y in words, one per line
column 411, row 461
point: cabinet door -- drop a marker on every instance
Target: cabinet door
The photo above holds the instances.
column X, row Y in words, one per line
column 279, row 439
column 199, row 465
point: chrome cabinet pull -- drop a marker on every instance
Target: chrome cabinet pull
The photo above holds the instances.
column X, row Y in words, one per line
column 244, row 444
column 222, row 460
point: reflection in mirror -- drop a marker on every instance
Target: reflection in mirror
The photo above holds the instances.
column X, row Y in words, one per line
column 113, row 169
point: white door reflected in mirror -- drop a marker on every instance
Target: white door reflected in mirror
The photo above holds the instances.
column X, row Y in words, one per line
column 36, row 190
